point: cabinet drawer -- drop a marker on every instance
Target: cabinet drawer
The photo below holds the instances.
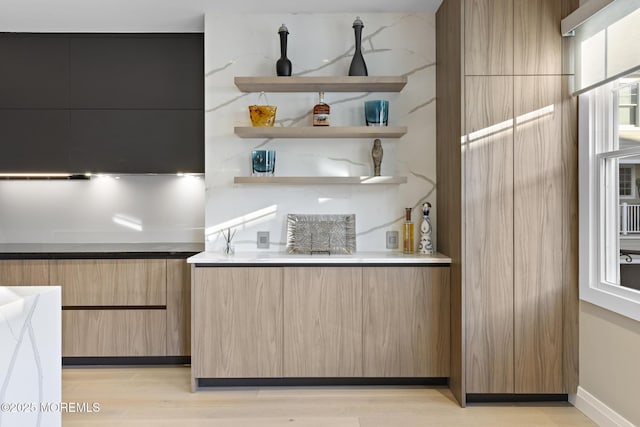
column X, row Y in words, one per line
column 110, row 282
column 95, row 333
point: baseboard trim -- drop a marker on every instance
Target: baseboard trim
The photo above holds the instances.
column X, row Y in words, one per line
column 598, row 411
column 515, row 397
column 132, row 360
column 316, row 381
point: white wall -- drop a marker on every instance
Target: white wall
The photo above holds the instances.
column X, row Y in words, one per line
column 610, row 359
column 321, row 45
column 131, row 209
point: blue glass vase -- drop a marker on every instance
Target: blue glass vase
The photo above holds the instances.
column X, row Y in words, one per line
column 263, row 162
column 376, row 113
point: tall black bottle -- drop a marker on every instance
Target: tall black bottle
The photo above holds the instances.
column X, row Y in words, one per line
column 283, row 65
column 358, row 67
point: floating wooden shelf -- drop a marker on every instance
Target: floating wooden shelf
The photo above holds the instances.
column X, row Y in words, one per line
column 321, row 132
column 321, row 180
column 321, row 84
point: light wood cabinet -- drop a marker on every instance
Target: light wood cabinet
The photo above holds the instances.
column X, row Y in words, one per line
column 178, row 307
column 319, row 322
column 406, row 322
column 237, row 322
column 510, row 199
column 488, row 49
column 111, row 282
column 570, row 308
column 537, row 41
column 512, row 37
column 24, row 272
column 114, row 307
column 489, row 221
column 109, row 333
column 515, row 292
column 323, row 321
column 538, row 225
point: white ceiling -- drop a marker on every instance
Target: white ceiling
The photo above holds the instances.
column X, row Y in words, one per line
column 169, row 15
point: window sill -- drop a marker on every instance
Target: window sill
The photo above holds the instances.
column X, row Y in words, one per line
column 612, row 301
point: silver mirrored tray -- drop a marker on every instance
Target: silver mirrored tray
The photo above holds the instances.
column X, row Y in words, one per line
column 321, row 234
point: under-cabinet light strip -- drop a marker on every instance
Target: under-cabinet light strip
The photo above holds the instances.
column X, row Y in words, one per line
column 42, row 176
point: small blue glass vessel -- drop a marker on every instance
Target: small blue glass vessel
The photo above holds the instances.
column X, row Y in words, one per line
column 376, row 113
column 263, row 162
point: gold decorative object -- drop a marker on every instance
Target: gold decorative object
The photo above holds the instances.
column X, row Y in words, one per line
column 262, row 115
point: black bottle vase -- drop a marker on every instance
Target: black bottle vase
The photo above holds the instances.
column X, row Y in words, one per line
column 283, row 65
column 358, row 67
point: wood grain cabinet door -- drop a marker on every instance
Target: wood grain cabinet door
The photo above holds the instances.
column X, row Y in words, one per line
column 538, row 227
column 537, row 40
column 24, row 272
column 237, row 322
column 111, row 333
column 406, row 321
column 178, row 307
column 489, row 234
column 323, row 321
column 488, row 37
column 111, row 282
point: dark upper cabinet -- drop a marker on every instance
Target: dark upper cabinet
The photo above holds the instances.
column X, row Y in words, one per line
column 34, row 71
column 121, row 103
column 34, row 140
column 137, row 73
column 137, row 140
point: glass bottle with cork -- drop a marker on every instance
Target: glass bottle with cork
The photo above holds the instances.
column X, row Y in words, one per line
column 321, row 112
column 407, row 233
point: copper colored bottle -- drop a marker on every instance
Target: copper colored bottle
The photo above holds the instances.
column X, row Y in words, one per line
column 321, row 112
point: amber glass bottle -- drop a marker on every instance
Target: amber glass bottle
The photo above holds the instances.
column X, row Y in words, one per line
column 321, row 112
column 407, row 233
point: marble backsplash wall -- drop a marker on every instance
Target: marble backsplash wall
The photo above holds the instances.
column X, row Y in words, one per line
column 318, row 45
column 104, row 209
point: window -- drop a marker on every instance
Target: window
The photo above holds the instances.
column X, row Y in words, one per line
column 628, row 105
column 609, row 214
column 624, row 178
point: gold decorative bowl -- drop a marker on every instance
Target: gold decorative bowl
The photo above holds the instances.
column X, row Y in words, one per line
column 262, row 115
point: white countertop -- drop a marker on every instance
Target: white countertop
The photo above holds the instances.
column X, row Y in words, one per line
column 31, row 356
column 11, row 294
column 286, row 258
column 32, row 248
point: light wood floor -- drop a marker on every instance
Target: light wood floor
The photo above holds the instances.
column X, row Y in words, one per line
column 160, row 397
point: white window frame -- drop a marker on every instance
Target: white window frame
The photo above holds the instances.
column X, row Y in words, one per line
column 594, row 127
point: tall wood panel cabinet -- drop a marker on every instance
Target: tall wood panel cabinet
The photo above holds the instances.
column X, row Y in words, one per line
column 507, row 195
